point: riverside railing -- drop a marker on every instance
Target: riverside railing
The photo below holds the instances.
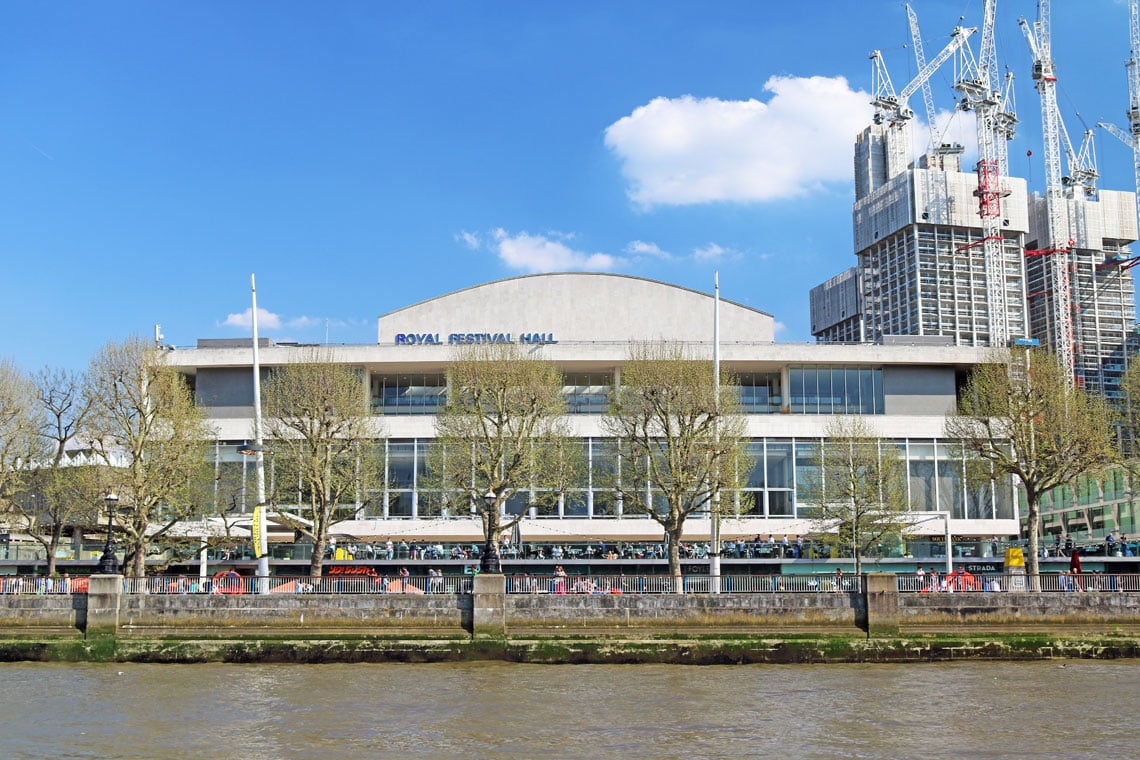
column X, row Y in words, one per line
column 688, row 584
column 234, row 584
column 1046, row 582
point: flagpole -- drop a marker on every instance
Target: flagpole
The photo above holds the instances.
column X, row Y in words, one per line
column 714, row 527
column 261, row 549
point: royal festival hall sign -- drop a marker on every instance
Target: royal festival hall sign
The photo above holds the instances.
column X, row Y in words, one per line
column 462, row 339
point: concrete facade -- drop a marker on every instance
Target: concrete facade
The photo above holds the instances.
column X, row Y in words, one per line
column 586, row 324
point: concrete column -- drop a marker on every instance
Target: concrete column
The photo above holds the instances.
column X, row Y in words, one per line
column 882, row 600
column 488, row 605
column 104, row 592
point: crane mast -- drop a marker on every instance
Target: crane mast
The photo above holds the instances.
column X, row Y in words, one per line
column 981, row 93
column 1044, row 74
column 938, row 149
column 1131, row 138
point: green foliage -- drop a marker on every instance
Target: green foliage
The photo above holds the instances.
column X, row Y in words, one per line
column 145, row 426
column 1020, row 415
column 502, row 431
column 677, row 435
column 859, row 490
column 324, row 443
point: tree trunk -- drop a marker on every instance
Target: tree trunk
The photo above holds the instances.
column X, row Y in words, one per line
column 1032, row 562
column 317, row 561
column 53, row 545
column 675, row 561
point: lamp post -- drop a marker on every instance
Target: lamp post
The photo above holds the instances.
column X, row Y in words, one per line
column 944, row 516
column 260, row 550
column 260, row 540
column 109, row 563
column 489, row 562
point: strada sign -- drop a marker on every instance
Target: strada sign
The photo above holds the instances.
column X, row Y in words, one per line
column 460, row 339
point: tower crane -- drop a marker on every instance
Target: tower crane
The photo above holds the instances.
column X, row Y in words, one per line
column 938, row 148
column 981, row 92
column 1044, row 74
column 891, row 108
column 1131, row 138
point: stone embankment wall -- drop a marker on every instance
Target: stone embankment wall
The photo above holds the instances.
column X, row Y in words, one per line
column 489, row 612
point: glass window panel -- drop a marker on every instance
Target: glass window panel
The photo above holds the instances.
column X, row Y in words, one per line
column 1003, row 499
column 811, row 391
column 755, row 452
column 605, row 504
column 826, row 400
column 922, row 477
column 400, row 504
column 780, row 504
column 575, row 504
column 866, row 393
column 752, row 503
column 796, row 392
column 401, row 462
column 779, row 467
column 950, row 495
column 853, row 398
column 807, row 467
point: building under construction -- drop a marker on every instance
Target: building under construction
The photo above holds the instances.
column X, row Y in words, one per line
column 971, row 258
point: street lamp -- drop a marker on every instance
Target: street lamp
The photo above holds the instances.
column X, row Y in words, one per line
column 489, row 562
column 260, row 546
column 109, row 563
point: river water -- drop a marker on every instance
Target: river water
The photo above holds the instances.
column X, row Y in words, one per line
column 1071, row 709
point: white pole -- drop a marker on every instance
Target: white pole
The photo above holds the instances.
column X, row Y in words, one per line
column 714, row 528
column 261, row 550
column 949, row 545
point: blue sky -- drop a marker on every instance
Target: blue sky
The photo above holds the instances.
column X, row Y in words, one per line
column 362, row 156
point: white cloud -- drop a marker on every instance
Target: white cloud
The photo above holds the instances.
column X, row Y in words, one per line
column 302, row 323
column 778, row 327
column 642, row 248
column 953, row 127
column 539, row 253
column 687, row 150
column 711, row 252
column 266, row 319
column 470, row 239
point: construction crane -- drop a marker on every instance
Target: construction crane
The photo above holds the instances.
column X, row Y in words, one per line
column 1131, row 138
column 938, row 149
column 1044, row 74
column 981, row 92
column 891, row 108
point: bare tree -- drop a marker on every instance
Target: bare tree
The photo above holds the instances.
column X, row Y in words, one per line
column 66, row 490
column 145, row 426
column 19, row 447
column 316, row 413
column 676, row 439
column 1021, row 415
column 502, row 438
column 859, row 491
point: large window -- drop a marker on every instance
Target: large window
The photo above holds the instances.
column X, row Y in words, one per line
column 759, row 392
column 408, row 394
column 836, row 390
column 587, row 393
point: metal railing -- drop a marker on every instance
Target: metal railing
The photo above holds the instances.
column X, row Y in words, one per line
column 688, row 584
column 1046, row 582
column 234, row 584
column 35, row 584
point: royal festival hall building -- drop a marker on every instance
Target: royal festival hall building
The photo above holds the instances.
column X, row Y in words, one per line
column 586, row 324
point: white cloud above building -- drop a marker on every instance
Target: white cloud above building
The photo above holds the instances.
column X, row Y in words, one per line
column 688, row 150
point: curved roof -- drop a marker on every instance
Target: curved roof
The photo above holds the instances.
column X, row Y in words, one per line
column 578, row 306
